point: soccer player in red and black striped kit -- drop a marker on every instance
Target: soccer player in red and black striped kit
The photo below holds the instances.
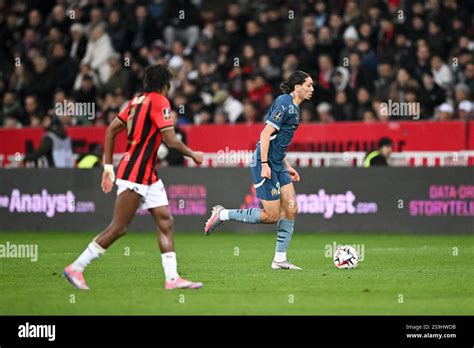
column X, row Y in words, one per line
column 147, row 120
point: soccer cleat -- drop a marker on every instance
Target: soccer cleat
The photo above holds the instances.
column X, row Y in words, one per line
column 180, row 283
column 214, row 220
column 75, row 278
column 284, row 265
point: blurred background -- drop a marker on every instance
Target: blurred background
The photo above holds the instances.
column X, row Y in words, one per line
column 228, row 58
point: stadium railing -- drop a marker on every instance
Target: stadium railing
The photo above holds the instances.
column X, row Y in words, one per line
column 311, row 159
column 348, row 159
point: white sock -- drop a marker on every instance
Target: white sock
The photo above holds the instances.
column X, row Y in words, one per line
column 280, row 256
column 92, row 252
column 224, row 214
column 170, row 265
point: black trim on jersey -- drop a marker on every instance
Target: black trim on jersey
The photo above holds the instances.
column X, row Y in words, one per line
column 138, row 149
column 146, row 155
column 125, row 123
column 134, row 121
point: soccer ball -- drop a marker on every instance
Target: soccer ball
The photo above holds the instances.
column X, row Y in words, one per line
column 346, row 257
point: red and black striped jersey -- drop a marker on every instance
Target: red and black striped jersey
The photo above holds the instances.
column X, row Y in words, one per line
column 146, row 116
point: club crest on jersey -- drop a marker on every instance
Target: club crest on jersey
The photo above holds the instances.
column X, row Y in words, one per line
column 277, row 116
column 275, row 191
column 166, row 114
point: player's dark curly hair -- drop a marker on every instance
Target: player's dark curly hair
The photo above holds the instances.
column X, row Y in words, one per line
column 156, row 78
column 296, row 78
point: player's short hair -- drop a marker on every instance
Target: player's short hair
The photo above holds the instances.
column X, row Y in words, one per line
column 296, row 78
column 156, row 78
column 385, row 141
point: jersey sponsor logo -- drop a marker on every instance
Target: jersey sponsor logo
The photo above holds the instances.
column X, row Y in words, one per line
column 166, row 114
column 275, row 191
column 277, row 116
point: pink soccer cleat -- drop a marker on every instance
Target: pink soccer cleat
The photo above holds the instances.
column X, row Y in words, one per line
column 180, row 283
column 75, row 278
column 214, row 220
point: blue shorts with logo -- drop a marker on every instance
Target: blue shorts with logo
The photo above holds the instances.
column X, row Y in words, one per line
column 269, row 189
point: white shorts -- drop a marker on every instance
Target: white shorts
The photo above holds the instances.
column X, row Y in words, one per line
column 152, row 195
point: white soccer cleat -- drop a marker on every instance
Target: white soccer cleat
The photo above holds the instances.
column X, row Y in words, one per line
column 284, row 265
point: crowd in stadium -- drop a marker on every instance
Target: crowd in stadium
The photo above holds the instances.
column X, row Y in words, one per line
column 228, row 57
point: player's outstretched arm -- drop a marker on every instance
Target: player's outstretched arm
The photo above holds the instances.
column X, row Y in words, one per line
column 170, row 138
column 108, row 177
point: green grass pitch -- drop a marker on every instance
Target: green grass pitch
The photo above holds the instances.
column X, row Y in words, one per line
column 401, row 275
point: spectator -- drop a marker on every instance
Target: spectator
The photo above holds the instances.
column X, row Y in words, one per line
column 230, row 105
column 87, row 93
column 142, row 28
column 42, row 81
column 99, row 50
column 78, row 43
column 306, row 115
column 221, row 117
column 119, row 76
column 308, row 54
column 86, row 71
column 325, row 43
column 95, row 19
column 369, row 116
column 431, row 95
column 359, row 76
column 441, row 72
column 184, row 27
column 399, row 87
column 65, row 69
column 469, row 77
column 342, row 109
column 250, row 113
column 12, row 111
column 461, row 92
column 445, row 112
column 384, row 80
column 257, row 88
column 55, row 150
column 421, row 64
column 267, row 69
column 465, row 110
column 35, row 22
column 59, row 19
column 324, row 113
column 326, row 70
column 117, row 31
column 363, row 102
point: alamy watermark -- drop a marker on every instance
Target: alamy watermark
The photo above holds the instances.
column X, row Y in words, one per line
column 228, row 157
column 25, row 251
column 400, row 109
column 75, row 109
column 28, row 330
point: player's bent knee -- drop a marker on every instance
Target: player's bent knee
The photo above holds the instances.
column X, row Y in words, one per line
column 290, row 212
column 166, row 225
